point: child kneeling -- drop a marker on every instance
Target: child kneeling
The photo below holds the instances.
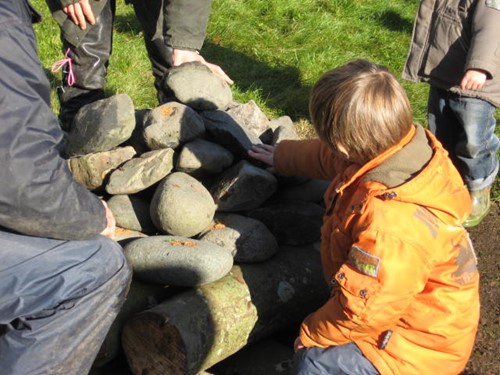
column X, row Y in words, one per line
column 402, row 271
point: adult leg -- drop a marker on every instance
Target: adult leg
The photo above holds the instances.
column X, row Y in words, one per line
column 151, row 16
column 90, row 62
column 57, row 302
column 335, row 360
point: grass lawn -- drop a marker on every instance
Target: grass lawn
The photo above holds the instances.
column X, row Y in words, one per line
column 273, row 50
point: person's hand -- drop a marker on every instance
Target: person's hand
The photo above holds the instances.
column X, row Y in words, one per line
column 181, row 56
column 109, row 231
column 297, row 345
column 264, row 153
column 80, row 13
column 473, row 79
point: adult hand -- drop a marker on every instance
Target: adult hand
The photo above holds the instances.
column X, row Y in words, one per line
column 80, row 13
column 264, row 153
column 181, row 56
column 109, row 231
column 473, row 79
column 297, row 345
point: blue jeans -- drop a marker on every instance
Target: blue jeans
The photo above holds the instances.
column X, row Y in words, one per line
column 57, row 302
column 344, row 359
column 466, row 128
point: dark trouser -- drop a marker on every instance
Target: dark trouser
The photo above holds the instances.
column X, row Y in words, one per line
column 90, row 63
column 336, row 360
column 90, row 59
column 57, row 302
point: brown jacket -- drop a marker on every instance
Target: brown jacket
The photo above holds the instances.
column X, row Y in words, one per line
column 452, row 36
column 402, row 271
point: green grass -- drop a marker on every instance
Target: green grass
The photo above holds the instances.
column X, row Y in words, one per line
column 273, row 50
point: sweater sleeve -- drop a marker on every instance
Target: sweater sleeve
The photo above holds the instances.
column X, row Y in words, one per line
column 38, row 195
column 186, row 23
column 306, row 158
column 484, row 51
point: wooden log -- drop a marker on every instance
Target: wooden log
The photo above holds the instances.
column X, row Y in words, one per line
column 141, row 296
column 196, row 329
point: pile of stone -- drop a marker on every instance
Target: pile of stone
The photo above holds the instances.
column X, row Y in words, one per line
column 189, row 202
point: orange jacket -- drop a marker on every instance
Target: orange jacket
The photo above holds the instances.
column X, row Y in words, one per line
column 402, row 271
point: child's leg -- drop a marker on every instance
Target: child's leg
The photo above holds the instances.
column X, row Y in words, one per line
column 466, row 127
column 335, row 360
column 89, row 63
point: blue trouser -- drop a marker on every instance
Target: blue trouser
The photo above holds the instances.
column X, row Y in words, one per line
column 334, row 360
column 466, row 128
column 57, row 302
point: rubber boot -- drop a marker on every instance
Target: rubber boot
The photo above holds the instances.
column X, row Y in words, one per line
column 480, row 206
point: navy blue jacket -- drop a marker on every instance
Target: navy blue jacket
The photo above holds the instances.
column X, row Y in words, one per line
column 38, row 195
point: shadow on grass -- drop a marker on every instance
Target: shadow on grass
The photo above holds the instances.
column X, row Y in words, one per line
column 393, row 21
column 280, row 88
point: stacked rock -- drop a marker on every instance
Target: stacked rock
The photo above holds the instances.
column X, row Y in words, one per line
column 188, row 200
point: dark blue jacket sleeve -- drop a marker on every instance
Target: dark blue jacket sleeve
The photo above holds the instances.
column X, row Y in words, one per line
column 38, row 195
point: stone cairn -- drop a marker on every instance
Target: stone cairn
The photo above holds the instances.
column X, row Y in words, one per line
column 223, row 251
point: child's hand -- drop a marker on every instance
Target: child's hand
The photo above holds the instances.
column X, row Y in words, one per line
column 297, row 345
column 264, row 153
column 473, row 79
column 80, row 13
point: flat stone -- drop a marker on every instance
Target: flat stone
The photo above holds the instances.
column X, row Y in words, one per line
column 200, row 158
column 91, row 170
column 223, row 129
column 251, row 117
column 177, row 261
column 131, row 212
column 140, row 173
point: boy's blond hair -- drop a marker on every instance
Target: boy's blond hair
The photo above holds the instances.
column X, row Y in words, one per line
column 362, row 107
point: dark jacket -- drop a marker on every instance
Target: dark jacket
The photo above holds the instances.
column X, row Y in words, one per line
column 452, row 36
column 38, row 195
column 185, row 21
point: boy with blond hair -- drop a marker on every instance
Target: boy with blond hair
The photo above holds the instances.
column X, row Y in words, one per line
column 402, row 271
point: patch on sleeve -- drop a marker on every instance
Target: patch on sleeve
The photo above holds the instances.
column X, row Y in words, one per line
column 365, row 263
column 495, row 4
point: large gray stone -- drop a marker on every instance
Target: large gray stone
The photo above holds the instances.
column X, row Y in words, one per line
column 91, row 170
column 177, row 261
column 195, row 85
column 200, row 158
column 140, row 173
column 182, row 206
column 101, row 126
column 248, row 239
column 171, row 124
column 243, row 187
